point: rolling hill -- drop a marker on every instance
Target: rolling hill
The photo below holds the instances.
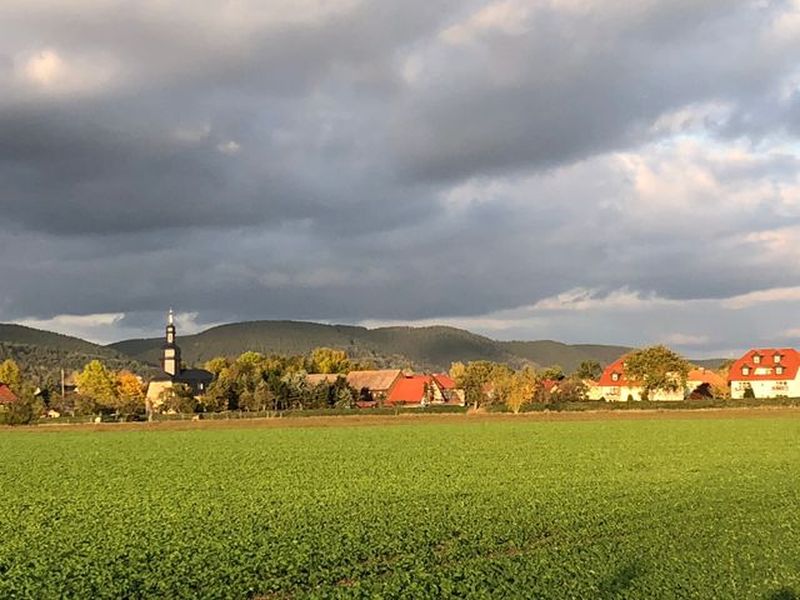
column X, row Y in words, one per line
column 422, row 347
column 43, row 353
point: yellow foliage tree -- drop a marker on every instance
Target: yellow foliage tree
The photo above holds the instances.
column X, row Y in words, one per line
column 98, row 383
column 521, row 388
column 130, row 393
column 330, row 360
column 10, row 374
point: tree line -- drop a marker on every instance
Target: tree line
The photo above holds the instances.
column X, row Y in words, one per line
column 255, row 382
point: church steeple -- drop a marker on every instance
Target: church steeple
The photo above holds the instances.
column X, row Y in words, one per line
column 171, row 359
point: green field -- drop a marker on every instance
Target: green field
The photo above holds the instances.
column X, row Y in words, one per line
column 667, row 508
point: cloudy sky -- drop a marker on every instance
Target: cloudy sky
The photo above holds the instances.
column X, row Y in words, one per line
column 605, row 171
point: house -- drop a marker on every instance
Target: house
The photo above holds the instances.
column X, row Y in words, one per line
column 372, row 386
column 616, row 387
column 173, row 372
column 452, row 393
column 701, row 383
column 768, row 372
column 6, row 395
column 593, row 389
column 416, row 390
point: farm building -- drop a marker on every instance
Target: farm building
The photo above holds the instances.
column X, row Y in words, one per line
column 416, row 390
column 768, row 372
column 374, row 383
column 452, row 393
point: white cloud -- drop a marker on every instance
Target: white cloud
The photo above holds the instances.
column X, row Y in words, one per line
column 230, row 148
column 48, row 71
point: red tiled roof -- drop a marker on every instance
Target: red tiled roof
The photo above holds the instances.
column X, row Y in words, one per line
column 6, row 395
column 409, row 389
column 445, row 381
column 789, row 359
column 549, row 384
column 698, row 377
column 618, row 367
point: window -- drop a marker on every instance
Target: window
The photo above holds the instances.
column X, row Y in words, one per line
column 776, row 358
column 745, row 370
column 779, row 370
column 757, row 359
column 615, row 377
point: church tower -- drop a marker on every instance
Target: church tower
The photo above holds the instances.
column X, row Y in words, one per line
column 171, row 359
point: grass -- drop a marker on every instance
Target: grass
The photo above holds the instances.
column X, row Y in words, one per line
column 668, row 508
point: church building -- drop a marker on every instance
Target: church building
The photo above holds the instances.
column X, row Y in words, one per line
column 172, row 370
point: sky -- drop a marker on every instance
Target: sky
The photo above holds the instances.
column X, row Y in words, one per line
column 586, row 171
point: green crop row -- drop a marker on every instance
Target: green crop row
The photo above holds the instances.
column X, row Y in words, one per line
column 646, row 508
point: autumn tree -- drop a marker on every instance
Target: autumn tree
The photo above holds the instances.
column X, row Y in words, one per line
column 589, row 369
column 98, row 383
column 656, row 368
column 572, row 389
column 130, row 394
column 521, row 388
column 10, row 374
column 329, row 360
column 178, row 398
column 554, row 373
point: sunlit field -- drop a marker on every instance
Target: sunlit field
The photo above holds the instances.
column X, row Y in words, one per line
column 668, row 508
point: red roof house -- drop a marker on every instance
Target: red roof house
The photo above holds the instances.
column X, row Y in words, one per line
column 768, row 372
column 6, row 395
column 615, row 386
column 416, row 390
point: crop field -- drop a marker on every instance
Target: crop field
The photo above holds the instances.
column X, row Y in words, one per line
column 667, row 508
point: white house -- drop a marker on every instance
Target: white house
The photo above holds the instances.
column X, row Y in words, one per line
column 615, row 387
column 769, row 372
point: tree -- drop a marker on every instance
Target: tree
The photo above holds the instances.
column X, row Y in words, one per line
column 179, row 398
column 656, row 368
column 572, row 389
column 589, row 369
column 480, row 380
column 10, row 374
column 216, row 365
column 329, row 360
column 554, row 373
column 522, row 386
column 130, row 394
column 259, row 400
column 98, row 383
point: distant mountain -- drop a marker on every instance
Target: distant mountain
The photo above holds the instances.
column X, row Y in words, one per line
column 42, row 354
column 569, row 357
column 421, row 347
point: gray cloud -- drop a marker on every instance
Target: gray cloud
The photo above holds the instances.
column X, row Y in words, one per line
column 418, row 160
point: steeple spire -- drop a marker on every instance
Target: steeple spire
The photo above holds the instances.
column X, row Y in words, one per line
column 171, row 359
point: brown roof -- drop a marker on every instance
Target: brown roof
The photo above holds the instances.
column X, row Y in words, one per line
column 317, row 378
column 375, row 381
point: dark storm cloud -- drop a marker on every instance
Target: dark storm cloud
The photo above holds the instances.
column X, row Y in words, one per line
column 390, row 160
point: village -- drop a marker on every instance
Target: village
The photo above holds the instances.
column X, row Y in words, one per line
column 253, row 383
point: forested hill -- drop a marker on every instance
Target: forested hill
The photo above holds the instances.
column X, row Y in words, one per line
column 42, row 354
column 420, row 347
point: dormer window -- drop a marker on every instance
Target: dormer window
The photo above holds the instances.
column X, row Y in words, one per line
column 615, row 377
column 757, row 359
column 779, row 370
column 745, row 370
column 776, row 358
